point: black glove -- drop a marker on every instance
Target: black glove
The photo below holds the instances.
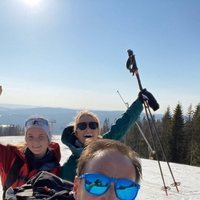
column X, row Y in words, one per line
column 144, row 95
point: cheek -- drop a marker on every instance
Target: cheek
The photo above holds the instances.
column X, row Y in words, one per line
column 97, row 132
column 77, row 134
column 77, row 188
column 27, row 143
column 46, row 144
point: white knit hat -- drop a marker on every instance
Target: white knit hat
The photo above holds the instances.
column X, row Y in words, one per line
column 38, row 122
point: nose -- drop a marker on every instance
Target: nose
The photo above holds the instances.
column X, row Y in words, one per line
column 88, row 129
column 110, row 194
column 36, row 140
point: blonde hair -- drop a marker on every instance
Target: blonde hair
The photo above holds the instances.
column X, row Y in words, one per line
column 94, row 148
column 82, row 113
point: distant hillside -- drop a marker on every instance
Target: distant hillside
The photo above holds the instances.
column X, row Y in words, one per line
column 61, row 117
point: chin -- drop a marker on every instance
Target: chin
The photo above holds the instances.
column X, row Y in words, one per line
column 89, row 139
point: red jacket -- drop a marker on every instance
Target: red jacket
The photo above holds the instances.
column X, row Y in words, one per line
column 8, row 154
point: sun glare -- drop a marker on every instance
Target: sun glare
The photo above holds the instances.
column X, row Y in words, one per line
column 32, row 3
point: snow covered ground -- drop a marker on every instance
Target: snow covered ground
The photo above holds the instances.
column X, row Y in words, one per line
column 151, row 184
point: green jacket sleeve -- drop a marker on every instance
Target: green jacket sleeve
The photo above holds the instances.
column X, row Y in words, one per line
column 123, row 124
column 68, row 170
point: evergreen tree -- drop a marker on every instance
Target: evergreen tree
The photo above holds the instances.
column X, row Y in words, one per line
column 135, row 140
column 189, row 132
column 11, row 130
column 166, row 133
column 195, row 140
column 146, row 130
column 179, row 139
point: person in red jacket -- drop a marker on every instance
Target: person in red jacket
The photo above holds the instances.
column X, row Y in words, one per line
column 20, row 162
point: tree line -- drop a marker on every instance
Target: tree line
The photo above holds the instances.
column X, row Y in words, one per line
column 178, row 133
column 179, row 136
column 11, row 130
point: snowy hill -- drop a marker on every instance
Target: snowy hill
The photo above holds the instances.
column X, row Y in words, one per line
column 151, row 183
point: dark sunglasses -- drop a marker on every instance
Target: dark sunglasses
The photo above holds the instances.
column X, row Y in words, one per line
column 83, row 125
column 98, row 184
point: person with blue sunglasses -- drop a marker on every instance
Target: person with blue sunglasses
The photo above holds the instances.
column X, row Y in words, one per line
column 109, row 170
column 86, row 126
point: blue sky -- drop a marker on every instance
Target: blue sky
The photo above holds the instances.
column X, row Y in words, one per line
column 72, row 53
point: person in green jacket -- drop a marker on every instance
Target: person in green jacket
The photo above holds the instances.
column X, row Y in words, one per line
column 86, row 126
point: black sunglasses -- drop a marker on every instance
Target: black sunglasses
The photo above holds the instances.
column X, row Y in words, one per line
column 83, row 125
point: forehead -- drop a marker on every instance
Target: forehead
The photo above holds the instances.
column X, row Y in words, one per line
column 111, row 163
column 87, row 118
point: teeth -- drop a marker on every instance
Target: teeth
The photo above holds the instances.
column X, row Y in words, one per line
column 88, row 135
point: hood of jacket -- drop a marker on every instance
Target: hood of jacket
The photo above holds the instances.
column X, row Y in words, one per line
column 70, row 140
column 55, row 147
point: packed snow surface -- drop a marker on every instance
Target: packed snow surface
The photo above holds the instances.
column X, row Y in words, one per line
column 151, row 184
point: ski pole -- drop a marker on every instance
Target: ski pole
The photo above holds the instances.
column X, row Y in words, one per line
column 165, row 188
column 140, row 130
column 132, row 66
column 175, row 184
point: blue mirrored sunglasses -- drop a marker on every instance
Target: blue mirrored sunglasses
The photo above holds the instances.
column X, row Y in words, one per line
column 83, row 125
column 36, row 122
column 98, row 184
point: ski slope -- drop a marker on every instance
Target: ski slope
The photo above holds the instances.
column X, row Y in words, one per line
column 151, row 183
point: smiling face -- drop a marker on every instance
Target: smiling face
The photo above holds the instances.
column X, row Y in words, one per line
column 37, row 141
column 89, row 132
column 109, row 163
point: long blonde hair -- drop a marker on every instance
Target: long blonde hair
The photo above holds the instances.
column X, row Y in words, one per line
column 82, row 113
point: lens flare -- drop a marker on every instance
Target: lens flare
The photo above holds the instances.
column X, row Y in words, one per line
column 32, row 3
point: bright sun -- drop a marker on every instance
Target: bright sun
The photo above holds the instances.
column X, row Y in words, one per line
column 32, row 3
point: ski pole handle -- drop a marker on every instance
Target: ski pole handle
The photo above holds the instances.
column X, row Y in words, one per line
column 131, row 65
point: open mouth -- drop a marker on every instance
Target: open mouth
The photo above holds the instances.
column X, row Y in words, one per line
column 88, row 135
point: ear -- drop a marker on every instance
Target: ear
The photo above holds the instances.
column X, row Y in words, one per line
column 76, row 187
